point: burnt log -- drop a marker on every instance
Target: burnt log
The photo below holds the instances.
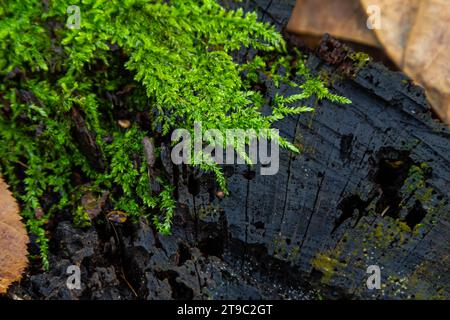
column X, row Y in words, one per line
column 370, row 187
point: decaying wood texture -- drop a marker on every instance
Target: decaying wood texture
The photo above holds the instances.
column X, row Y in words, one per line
column 13, row 240
column 370, row 187
column 414, row 34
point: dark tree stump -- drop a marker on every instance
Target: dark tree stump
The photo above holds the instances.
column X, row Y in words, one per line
column 371, row 187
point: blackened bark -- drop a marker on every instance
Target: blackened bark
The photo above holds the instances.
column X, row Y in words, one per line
column 370, row 187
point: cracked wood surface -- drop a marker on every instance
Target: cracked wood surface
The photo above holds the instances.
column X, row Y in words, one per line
column 347, row 151
column 369, row 187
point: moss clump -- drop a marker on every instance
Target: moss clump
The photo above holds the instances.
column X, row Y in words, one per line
column 284, row 250
column 426, row 282
column 155, row 66
column 210, row 212
column 360, row 59
column 328, row 263
column 415, row 184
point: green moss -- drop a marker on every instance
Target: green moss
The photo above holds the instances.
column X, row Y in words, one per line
column 403, row 226
column 81, row 218
column 328, row 263
column 280, row 247
column 425, row 282
column 172, row 62
column 284, row 251
column 378, row 232
column 294, row 254
column 416, row 178
column 360, row 59
column 388, row 232
column 211, row 211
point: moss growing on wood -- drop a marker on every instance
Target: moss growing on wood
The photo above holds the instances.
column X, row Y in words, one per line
column 328, row 263
column 360, row 59
column 76, row 104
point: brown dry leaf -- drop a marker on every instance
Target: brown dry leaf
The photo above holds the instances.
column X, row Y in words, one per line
column 13, row 240
column 416, row 36
column 343, row 19
column 397, row 19
column 92, row 204
column 427, row 53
